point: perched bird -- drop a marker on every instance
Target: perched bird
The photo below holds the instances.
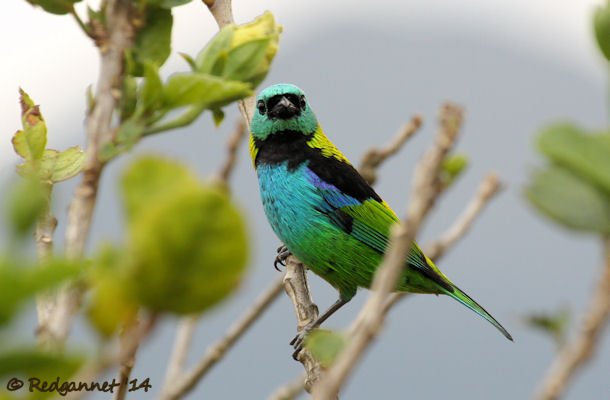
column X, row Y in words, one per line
column 324, row 212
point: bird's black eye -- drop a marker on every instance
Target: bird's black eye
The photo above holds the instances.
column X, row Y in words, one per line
column 261, row 107
column 302, row 102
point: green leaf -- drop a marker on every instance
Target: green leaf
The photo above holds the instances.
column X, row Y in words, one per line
column 218, row 115
column 38, row 363
column 452, row 168
column 201, row 89
column 130, row 132
column 584, row 154
column 188, row 246
column 58, row 7
column 129, row 97
column 569, row 200
column 325, row 345
column 153, row 41
column 189, row 60
column 242, row 52
column 554, row 324
column 262, row 28
column 28, row 201
column 30, row 142
column 601, row 25
column 90, row 99
column 19, row 284
column 149, row 180
column 151, row 94
column 243, row 61
column 168, row 4
column 215, row 50
column 111, row 305
column 68, row 164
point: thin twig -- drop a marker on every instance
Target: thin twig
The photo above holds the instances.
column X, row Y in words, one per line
column 488, row 188
column 182, row 344
column 371, row 317
column 109, row 359
column 182, row 385
column 291, row 390
column 574, row 355
column 235, row 140
column 128, row 358
column 374, row 157
column 99, row 131
column 45, row 228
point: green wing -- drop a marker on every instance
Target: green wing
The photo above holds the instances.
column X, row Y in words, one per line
column 370, row 222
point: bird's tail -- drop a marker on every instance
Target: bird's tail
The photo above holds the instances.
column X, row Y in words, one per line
column 466, row 300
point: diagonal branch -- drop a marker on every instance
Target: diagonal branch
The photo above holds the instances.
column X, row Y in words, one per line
column 178, row 386
column 371, row 317
column 488, row 188
column 577, row 353
column 120, row 34
column 375, row 157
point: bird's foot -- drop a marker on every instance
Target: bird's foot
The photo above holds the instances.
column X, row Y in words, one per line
column 299, row 340
column 282, row 254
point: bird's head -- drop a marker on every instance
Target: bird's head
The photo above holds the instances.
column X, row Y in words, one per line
column 280, row 108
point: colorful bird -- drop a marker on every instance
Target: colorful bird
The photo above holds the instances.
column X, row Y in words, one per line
column 324, row 212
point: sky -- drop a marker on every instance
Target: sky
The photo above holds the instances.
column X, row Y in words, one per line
column 367, row 67
column 42, row 51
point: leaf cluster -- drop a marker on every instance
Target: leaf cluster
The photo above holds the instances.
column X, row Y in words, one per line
column 574, row 189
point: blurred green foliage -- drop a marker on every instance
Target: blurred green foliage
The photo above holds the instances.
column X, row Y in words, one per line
column 574, row 190
column 555, row 324
column 48, row 165
column 186, row 246
column 229, row 68
column 452, row 168
column 601, row 26
column 325, row 345
column 27, row 201
column 58, row 7
column 19, row 283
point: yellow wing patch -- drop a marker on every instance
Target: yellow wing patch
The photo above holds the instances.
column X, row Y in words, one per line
column 328, row 149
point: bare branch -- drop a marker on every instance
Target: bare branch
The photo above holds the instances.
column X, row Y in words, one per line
column 128, row 357
column 371, row 317
column 99, row 131
column 574, row 355
column 108, row 358
column 45, row 302
column 182, row 385
column 291, row 390
column 374, row 157
column 182, row 344
column 235, row 140
column 488, row 188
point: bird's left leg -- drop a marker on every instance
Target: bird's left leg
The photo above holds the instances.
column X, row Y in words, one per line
column 299, row 339
column 282, row 254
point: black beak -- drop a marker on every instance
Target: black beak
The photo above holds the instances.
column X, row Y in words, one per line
column 284, row 109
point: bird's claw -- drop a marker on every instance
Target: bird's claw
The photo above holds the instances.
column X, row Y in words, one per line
column 282, row 254
column 299, row 340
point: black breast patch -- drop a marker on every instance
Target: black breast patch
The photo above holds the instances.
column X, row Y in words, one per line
column 291, row 147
